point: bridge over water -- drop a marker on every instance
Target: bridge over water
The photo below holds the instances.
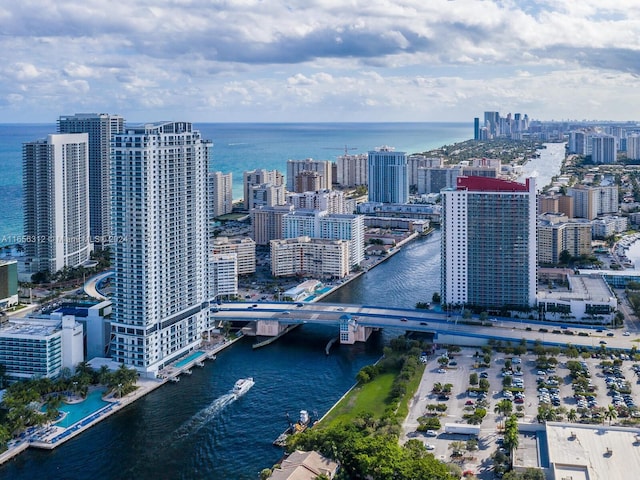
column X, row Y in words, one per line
column 356, row 322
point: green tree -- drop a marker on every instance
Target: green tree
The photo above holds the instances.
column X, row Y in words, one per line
column 504, row 407
column 610, row 414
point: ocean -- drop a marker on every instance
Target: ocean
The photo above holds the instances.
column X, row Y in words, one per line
column 238, row 147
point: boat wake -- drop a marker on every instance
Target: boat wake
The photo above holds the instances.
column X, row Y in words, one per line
column 204, row 416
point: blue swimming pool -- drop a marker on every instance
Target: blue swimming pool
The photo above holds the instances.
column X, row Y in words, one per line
column 77, row 411
column 323, row 290
column 189, row 358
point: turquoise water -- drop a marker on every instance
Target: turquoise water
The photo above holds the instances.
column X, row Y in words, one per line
column 188, row 359
column 239, row 147
column 323, row 290
column 77, row 411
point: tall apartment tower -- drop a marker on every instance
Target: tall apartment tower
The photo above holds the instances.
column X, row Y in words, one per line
column 159, row 212
column 589, row 202
column 220, row 194
column 56, row 202
column 633, row 147
column 322, row 167
column 388, row 178
column 258, row 177
column 352, row 170
column 321, row 224
column 100, row 127
column 603, row 149
column 489, row 243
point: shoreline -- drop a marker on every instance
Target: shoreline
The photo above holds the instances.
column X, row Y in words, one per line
column 50, row 437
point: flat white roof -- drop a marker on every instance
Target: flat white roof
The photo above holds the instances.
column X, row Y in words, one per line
column 593, row 452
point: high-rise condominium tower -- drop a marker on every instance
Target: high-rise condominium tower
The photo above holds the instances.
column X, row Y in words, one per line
column 159, row 212
column 388, row 178
column 100, row 127
column 489, row 243
column 56, row 202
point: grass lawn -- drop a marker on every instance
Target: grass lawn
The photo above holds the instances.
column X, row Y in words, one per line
column 369, row 397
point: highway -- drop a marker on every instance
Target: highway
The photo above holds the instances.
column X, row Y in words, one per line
column 428, row 321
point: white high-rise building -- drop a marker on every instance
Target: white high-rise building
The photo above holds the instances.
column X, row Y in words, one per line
column 220, row 194
column 160, row 258
column 388, row 179
column 56, row 202
column 352, row 170
column 603, row 149
column 633, row 147
column 489, row 243
column 100, row 127
column 223, row 274
column 255, row 178
column 327, row 226
column 333, row 201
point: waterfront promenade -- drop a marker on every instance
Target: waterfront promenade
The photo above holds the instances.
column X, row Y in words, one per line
column 51, row 436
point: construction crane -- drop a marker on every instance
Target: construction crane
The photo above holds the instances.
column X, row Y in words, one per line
column 346, row 149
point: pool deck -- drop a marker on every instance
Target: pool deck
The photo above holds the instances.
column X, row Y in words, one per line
column 51, row 436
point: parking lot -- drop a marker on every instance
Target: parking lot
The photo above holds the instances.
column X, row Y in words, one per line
column 559, row 397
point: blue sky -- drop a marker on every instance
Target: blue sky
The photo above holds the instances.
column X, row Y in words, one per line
column 319, row 60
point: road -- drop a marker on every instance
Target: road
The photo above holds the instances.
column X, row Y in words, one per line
column 427, row 321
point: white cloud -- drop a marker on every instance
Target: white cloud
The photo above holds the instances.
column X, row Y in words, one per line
column 361, row 58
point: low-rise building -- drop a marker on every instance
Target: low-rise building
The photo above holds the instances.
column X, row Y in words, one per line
column 604, row 227
column 40, row 347
column 305, row 466
column 306, row 256
column 589, row 300
column 244, row 248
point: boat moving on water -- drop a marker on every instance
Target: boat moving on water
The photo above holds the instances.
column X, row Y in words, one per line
column 242, row 386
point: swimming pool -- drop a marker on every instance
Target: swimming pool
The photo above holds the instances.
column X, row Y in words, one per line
column 77, row 411
column 189, row 358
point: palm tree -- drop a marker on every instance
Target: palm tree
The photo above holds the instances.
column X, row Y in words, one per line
column 504, row 407
column 572, row 416
column 611, row 413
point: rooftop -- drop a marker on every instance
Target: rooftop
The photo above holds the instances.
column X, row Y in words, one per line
column 594, row 452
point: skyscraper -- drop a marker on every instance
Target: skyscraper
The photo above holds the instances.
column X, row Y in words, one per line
column 100, row 128
column 388, row 178
column 56, row 202
column 603, row 149
column 489, row 243
column 159, row 212
column 220, row 194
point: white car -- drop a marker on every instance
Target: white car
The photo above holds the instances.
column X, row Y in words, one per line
column 429, row 446
column 431, row 433
column 626, row 334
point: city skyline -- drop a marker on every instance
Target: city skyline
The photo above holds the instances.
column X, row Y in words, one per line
column 362, row 61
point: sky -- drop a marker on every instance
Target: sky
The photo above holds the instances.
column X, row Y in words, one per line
column 319, row 60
